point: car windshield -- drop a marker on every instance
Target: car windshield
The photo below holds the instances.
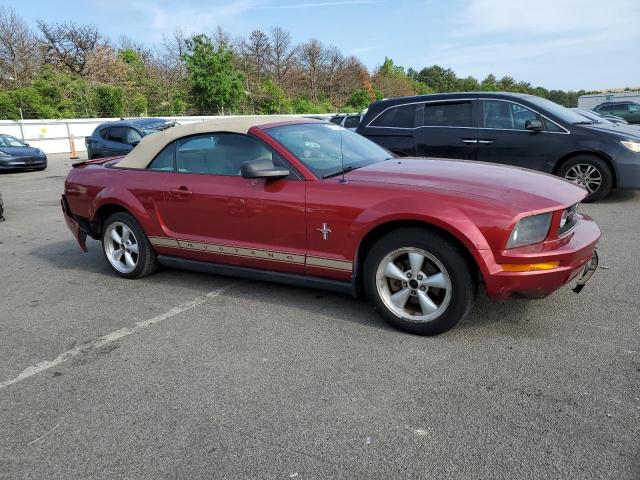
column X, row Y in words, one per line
column 9, row 141
column 326, row 148
column 559, row 111
column 593, row 116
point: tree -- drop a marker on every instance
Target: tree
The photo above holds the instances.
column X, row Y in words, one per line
column 19, row 56
column 69, row 46
column 215, row 82
column 282, row 55
column 312, row 57
column 109, row 100
column 391, row 81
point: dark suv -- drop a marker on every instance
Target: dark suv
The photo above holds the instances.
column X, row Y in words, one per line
column 630, row 111
column 508, row 128
column 111, row 139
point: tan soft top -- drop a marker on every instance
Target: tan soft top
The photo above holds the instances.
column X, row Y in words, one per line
column 151, row 145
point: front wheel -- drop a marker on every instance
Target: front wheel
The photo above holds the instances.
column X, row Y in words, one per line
column 126, row 247
column 589, row 172
column 419, row 281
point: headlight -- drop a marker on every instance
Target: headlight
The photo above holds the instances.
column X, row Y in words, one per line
column 530, row 230
column 568, row 220
column 633, row 146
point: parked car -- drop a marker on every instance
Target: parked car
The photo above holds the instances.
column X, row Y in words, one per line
column 630, row 111
column 309, row 203
column 110, row 139
column 508, row 128
column 18, row 155
column 350, row 121
column 599, row 118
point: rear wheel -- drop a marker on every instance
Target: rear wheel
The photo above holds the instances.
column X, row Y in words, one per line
column 419, row 281
column 589, row 172
column 126, row 247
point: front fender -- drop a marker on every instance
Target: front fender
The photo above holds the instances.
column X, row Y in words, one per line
column 448, row 217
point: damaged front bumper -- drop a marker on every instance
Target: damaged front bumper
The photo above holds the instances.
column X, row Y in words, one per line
column 78, row 232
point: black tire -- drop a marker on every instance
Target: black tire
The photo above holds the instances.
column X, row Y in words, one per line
column 565, row 171
column 147, row 262
column 462, row 275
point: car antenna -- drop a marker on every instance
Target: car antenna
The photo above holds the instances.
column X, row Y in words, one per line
column 343, row 179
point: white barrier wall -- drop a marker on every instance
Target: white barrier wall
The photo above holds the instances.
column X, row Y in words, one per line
column 53, row 136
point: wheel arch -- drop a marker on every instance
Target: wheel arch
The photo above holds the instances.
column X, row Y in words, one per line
column 372, row 236
column 600, row 155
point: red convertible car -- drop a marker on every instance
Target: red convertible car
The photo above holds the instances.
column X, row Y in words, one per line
column 309, row 203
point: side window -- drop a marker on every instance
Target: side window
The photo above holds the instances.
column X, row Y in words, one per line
column 104, row 133
column 132, row 136
column 549, row 126
column 396, row 117
column 116, row 134
column 218, row 153
column 337, row 120
column 634, row 107
column 450, row 114
column 164, row 161
column 352, row 121
column 506, row 115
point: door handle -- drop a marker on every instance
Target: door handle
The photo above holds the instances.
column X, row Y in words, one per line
column 486, row 142
column 469, row 140
column 180, row 191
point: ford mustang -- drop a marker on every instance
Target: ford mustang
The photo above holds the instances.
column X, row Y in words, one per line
column 309, row 203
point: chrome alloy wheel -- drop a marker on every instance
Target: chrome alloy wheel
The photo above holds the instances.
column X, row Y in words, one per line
column 413, row 284
column 121, row 247
column 585, row 176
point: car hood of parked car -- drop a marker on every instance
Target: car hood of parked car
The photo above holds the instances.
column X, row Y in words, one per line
column 22, row 151
column 619, row 129
column 515, row 188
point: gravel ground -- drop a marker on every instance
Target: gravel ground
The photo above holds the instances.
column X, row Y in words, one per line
column 186, row 376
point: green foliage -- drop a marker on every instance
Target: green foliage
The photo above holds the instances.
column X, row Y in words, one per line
column 109, row 100
column 271, row 99
column 305, row 105
column 139, row 105
column 8, row 107
column 215, row 82
column 358, row 101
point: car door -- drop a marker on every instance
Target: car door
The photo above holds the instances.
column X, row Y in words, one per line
column 115, row 144
column 503, row 137
column 393, row 129
column 217, row 215
column 447, row 129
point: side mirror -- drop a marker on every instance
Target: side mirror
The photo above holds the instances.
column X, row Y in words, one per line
column 534, row 125
column 262, row 169
column 135, row 143
column 27, row 145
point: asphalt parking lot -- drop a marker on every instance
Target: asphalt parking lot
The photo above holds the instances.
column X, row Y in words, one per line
column 184, row 376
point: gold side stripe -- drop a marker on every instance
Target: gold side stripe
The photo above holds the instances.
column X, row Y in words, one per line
column 242, row 252
column 329, row 263
column 321, row 262
column 163, row 242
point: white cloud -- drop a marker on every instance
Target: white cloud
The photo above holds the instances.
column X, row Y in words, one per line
column 553, row 43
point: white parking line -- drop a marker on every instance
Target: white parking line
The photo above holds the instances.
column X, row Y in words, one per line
column 110, row 337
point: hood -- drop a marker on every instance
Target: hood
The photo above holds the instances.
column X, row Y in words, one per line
column 622, row 130
column 22, row 151
column 517, row 188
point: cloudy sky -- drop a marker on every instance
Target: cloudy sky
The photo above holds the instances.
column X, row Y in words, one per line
column 568, row 44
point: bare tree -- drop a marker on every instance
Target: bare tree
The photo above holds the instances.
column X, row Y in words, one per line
column 335, row 65
column 175, row 46
column 257, row 48
column 283, row 54
column 312, row 57
column 19, row 56
column 68, row 46
column 221, row 38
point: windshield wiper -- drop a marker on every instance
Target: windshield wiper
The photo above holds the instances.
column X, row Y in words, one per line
column 341, row 171
column 585, row 122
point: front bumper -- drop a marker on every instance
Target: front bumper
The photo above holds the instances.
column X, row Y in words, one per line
column 628, row 170
column 573, row 252
column 22, row 163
